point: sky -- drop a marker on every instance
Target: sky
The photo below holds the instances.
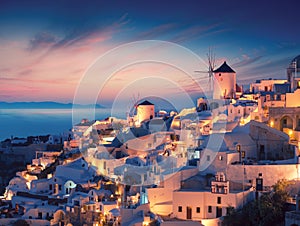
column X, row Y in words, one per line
column 47, row 47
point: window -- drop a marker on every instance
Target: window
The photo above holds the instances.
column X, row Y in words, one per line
column 209, row 209
column 180, row 209
column 298, row 122
column 219, row 200
column 239, row 111
column 221, row 178
column 208, row 157
column 104, row 165
column 220, row 157
column 243, row 154
column 59, row 187
column 50, row 187
column 198, row 210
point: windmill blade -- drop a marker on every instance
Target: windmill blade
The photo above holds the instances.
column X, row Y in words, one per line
column 201, row 71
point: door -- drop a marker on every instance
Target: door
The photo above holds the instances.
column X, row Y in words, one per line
column 188, row 213
column 219, row 211
column 262, row 152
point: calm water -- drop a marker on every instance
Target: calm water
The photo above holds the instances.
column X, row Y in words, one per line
column 27, row 122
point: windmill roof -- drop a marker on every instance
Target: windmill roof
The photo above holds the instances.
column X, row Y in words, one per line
column 146, row 102
column 225, row 68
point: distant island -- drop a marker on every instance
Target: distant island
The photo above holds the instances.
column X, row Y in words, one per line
column 44, row 105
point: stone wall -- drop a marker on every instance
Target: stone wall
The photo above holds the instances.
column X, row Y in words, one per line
column 270, row 173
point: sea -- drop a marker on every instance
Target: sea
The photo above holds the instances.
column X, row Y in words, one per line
column 32, row 122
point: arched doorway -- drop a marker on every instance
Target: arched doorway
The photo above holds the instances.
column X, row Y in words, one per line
column 298, row 122
column 202, row 107
column 286, row 122
column 59, row 218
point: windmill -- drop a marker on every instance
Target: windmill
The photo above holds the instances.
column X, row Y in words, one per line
column 132, row 108
column 211, row 65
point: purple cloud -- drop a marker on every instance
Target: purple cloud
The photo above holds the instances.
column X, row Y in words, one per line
column 42, row 40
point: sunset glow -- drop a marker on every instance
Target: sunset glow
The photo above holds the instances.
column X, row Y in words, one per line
column 46, row 48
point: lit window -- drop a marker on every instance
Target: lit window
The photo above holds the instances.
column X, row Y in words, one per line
column 243, row 154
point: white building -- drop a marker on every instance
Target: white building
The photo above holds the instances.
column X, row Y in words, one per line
column 241, row 110
column 265, row 85
column 293, row 73
column 195, row 204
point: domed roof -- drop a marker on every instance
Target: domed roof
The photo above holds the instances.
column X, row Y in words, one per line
column 297, row 60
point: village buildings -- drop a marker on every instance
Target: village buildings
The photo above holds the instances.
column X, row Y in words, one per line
column 166, row 168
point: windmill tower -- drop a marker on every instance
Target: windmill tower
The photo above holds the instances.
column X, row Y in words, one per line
column 211, row 65
column 224, row 82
